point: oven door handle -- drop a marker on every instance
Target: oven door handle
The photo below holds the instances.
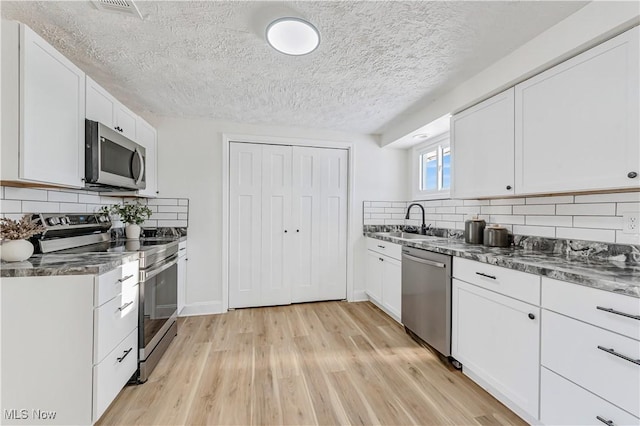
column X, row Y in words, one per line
column 145, row 275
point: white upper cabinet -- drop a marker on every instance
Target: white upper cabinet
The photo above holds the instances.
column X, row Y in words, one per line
column 43, row 108
column 576, row 124
column 146, row 136
column 103, row 107
column 100, row 104
column 482, row 148
column 124, row 120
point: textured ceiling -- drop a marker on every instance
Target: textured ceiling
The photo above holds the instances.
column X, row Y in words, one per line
column 376, row 60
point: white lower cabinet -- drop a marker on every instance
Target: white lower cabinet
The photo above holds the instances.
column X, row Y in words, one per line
column 591, row 347
column 496, row 338
column 72, row 350
column 565, row 403
column 384, row 276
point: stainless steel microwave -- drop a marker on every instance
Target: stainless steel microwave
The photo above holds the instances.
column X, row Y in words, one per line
column 112, row 161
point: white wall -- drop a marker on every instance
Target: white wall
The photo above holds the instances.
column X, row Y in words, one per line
column 594, row 23
column 190, row 166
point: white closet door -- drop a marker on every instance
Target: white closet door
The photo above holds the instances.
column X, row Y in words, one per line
column 319, row 261
column 276, row 226
column 245, row 225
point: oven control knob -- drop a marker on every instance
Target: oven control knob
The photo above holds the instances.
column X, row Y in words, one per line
column 52, row 221
column 64, row 221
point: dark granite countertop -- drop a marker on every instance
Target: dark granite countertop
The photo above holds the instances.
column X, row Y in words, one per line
column 618, row 276
column 66, row 264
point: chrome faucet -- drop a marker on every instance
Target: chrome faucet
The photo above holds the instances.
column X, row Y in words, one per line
column 424, row 227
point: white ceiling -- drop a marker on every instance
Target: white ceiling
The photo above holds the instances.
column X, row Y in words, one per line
column 376, row 59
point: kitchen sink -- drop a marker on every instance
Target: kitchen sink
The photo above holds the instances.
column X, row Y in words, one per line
column 405, row 235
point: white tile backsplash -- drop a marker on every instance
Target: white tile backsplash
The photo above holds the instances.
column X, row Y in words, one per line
column 608, row 209
column 11, row 193
column 594, row 217
column 16, row 202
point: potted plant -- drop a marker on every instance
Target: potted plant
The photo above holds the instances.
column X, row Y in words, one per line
column 133, row 214
column 14, row 235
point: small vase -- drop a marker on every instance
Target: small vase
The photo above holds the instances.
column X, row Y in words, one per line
column 132, row 231
column 16, row 250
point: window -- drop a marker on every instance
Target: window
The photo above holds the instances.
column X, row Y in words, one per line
column 432, row 168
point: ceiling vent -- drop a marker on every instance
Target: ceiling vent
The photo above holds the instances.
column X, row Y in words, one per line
column 126, row 7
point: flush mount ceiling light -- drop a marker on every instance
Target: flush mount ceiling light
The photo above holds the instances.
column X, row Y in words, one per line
column 421, row 136
column 293, row 36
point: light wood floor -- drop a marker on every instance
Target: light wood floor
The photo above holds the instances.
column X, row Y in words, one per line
column 317, row 363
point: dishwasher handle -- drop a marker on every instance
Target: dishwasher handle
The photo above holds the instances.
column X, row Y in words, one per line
column 425, row 261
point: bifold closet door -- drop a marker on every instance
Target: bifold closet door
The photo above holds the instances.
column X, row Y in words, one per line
column 259, row 210
column 287, row 224
column 320, row 220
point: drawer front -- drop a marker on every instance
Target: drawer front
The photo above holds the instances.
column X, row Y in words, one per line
column 113, row 321
column 516, row 284
column 564, row 403
column 583, row 302
column 570, row 348
column 384, row 247
column 110, row 376
column 182, row 248
column 110, row 284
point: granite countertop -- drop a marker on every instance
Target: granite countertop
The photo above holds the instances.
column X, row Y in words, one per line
column 610, row 275
column 66, row 264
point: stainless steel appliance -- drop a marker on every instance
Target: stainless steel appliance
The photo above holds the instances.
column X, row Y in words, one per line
column 426, row 297
column 158, row 310
column 112, row 161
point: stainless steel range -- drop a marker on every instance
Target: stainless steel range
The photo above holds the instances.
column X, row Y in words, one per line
column 89, row 233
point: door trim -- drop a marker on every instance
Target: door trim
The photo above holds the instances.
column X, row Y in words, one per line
column 227, row 138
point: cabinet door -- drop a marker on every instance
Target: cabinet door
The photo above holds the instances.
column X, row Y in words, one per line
column 100, row 104
column 319, row 213
column 182, row 282
column 374, row 276
column 146, row 136
column 494, row 337
column 577, row 123
column 392, row 286
column 52, row 105
column 124, row 121
column 482, row 148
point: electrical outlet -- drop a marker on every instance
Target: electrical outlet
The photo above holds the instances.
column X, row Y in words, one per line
column 631, row 223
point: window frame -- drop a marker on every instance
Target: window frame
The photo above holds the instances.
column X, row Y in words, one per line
column 438, row 143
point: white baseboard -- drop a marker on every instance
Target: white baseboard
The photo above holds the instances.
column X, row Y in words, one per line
column 201, row 308
column 359, row 296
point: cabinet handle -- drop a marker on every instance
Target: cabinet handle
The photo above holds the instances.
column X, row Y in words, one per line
column 379, row 246
column 482, row 274
column 613, row 311
column 297, row 230
column 123, row 307
column 121, row 280
column 285, row 231
column 121, row 358
column 531, row 316
column 606, row 422
column 381, row 259
column 508, row 187
column 619, row 355
column 632, row 175
column 183, row 248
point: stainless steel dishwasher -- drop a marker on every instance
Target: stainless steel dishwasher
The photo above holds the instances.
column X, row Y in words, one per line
column 426, row 297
